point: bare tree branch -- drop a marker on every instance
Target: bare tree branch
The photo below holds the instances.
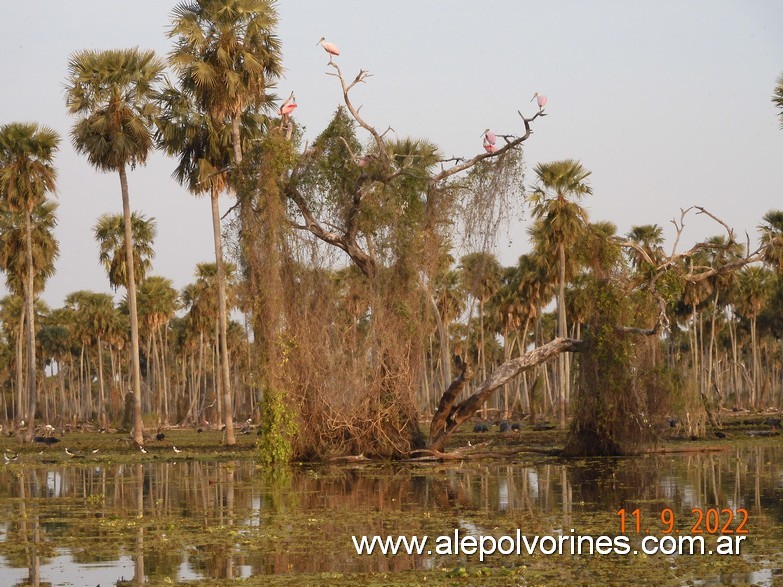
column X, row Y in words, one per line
column 729, row 231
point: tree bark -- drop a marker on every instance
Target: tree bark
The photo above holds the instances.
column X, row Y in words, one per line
column 19, row 409
column 101, row 390
column 562, row 361
column 32, row 397
column 138, row 424
column 222, row 319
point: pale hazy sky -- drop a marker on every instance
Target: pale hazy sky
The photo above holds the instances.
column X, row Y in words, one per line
column 667, row 102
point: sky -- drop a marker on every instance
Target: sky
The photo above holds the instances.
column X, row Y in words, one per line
column 668, row 103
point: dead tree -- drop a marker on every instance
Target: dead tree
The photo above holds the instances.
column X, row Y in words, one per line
column 381, row 167
column 449, row 416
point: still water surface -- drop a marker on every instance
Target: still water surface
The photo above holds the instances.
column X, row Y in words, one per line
column 108, row 523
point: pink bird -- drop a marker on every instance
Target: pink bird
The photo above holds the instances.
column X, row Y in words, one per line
column 288, row 106
column 329, row 48
column 540, row 100
column 489, row 137
column 489, row 147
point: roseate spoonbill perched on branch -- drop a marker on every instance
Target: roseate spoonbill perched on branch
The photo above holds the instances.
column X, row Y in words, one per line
column 288, row 106
column 489, row 147
column 540, row 100
column 489, row 137
column 330, row 48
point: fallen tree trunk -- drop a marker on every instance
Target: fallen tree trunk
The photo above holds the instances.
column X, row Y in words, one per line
column 449, row 416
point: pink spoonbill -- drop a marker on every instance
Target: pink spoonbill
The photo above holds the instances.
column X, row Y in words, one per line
column 489, row 137
column 540, row 100
column 330, row 48
column 288, row 106
column 489, row 147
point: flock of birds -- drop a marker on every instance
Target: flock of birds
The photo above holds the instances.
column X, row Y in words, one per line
column 490, row 138
column 503, row 426
column 45, row 436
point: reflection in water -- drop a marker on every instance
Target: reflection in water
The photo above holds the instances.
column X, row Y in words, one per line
column 138, row 566
column 186, row 520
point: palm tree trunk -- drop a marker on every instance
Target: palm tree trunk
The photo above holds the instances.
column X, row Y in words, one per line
column 736, row 379
column 113, row 379
column 148, row 385
column 222, row 319
column 101, row 390
column 236, row 140
column 712, row 344
column 483, row 361
column 164, row 345
column 443, row 338
column 153, row 369
column 32, row 397
column 563, row 375
column 201, row 379
column 138, row 425
column 754, row 393
column 20, row 395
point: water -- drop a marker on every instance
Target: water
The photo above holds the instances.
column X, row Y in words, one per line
column 108, row 523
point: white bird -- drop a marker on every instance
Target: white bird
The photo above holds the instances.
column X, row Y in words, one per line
column 9, row 459
column 95, row 451
column 142, row 449
column 69, row 453
column 176, row 450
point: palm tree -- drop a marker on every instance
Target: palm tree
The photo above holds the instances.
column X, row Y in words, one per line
column 13, row 261
column 110, row 91
column 225, row 53
column 55, row 340
column 777, row 98
column 560, row 222
column 98, row 315
column 109, row 231
column 26, row 175
column 755, row 285
column 198, row 142
column 772, row 239
column 46, row 249
column 203, row 308
column 481, row 278
column 158, row 300
column 649, row 237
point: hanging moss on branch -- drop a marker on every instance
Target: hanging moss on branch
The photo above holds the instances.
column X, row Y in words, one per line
column 623, row 389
